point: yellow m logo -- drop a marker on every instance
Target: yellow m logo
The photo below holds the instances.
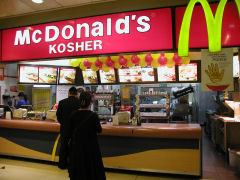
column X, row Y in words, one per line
column 214, row 26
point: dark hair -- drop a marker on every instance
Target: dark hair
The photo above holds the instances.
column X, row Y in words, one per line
column 85, row 99
column 72, row 91
column 80, row 90
column 21, row 94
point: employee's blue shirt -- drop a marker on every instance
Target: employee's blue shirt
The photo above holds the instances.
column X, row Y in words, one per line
column 21, row 102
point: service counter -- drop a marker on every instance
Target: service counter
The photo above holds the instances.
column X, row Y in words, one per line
column 151, row 147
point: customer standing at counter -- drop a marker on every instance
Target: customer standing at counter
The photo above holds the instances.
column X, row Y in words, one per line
column 65, row 108
column 22, row 100
column 85, row 155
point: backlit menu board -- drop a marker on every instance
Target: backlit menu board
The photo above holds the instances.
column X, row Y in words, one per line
column 48, row 75
column 188, row 72
column 235, row 66
column 28, row 74
column 166, row 74
column 67, row 75
column 136, row 74
column 107, row 77
column 89, row 76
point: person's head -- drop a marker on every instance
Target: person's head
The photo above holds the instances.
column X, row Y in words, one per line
column 88, row 89
column 72, row 91
column 21, row 95
column 79, row 91
column 85, row 99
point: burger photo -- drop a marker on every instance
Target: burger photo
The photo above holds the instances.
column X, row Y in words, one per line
column 32, row 76
column 109, row 77
column 48, row 75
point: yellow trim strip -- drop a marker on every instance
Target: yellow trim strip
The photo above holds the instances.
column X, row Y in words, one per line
column 55, row 148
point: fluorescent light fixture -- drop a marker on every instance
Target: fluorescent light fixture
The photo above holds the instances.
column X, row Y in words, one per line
column 62, row 62
column 41, row 86
column 37, row 1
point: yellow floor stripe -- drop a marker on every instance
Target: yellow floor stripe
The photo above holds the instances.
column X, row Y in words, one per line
column 55, row 148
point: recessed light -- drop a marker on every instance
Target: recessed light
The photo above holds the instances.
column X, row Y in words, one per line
column 37, row 1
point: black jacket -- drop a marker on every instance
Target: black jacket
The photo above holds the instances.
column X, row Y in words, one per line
column 65, row 108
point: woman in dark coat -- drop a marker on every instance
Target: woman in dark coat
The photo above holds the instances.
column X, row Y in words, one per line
column 85, row 159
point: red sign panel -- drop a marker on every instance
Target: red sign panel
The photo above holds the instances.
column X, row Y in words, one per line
column 124, row 32
column 198, row 30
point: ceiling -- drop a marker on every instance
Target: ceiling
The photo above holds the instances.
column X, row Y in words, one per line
column 11, row 8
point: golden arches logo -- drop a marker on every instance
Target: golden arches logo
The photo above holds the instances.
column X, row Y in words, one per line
column 214, row 25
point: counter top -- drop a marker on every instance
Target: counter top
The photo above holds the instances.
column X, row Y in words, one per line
column 169, row 130
column 30, row 125
column 146, row 130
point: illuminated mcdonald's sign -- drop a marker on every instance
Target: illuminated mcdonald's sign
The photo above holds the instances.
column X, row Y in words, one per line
column 214, row 25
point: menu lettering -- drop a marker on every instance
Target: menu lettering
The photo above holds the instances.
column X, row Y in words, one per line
column 85, row 30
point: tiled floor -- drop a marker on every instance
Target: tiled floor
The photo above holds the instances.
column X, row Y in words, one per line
column 214, row 167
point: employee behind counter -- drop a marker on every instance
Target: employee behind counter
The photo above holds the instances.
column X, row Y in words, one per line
column 22, row 100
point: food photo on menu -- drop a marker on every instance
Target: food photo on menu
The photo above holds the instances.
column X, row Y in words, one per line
column 47, row 75
column 107, row 77
column 136, row 74
column 188, row 72
column 147, row 74
column 67, row 76
column 28, row 74
column 90, row 76
column 166, row 74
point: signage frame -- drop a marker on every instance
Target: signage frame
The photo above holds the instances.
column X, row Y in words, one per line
column 209, row 20
column 198, row 62
column 142, row 82
column 59, row 72
column 27, row 65
column 169, row 29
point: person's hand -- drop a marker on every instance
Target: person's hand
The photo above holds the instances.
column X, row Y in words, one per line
column 214, row 74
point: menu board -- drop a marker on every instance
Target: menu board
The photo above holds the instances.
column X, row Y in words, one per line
column 28, row 74
column 166, row 74
column 107, row 77
column 136, row 74
column 235, row 66
column 89, row 76
column 188, row 72
column 67, row 75
column 48, row 75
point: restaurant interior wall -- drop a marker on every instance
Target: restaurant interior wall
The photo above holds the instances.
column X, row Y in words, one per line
column 135, row 89
column 196, row 98
column 206, row 102
column 10, row 80
column 10, row 87
column 192, row 99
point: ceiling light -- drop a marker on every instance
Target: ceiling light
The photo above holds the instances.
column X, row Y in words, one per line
column 37, row 1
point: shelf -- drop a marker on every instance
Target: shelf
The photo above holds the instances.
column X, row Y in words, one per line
column 105, row 115
column 153, row 114
column 157, row 117
column 146, row 95
column 153, row 106
column 105, row 106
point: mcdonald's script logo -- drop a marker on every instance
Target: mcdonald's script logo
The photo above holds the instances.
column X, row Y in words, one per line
column 214, row 25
